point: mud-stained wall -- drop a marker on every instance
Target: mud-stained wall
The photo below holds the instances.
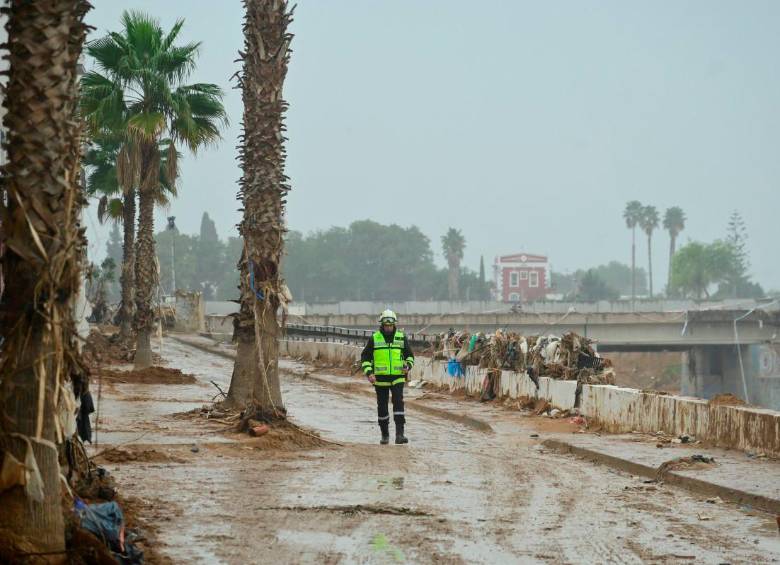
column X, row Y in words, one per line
column 190, row 312
column 616, row 409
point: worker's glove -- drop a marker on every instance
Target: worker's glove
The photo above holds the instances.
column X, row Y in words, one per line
column 371, row 378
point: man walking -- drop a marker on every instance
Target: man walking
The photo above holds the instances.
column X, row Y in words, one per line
column 387, row 360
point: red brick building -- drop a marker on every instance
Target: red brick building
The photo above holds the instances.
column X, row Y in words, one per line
column 521, row 277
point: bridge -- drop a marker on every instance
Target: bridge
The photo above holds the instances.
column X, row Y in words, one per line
column 639, row 331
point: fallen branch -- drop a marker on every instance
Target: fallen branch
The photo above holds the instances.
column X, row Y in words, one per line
column 222, row 392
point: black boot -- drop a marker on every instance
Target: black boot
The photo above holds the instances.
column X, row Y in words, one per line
column 399, row 435
column 385, row 433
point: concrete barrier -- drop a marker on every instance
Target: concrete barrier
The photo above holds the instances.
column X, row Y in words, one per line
column 310, row 350
column 736, row 427
column 616, row 409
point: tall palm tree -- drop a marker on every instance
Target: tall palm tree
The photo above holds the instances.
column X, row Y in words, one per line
column 648, row 221
column 140, row 94
column 453, row 243
column 117, row 204
column 264, row 186
column 39, row 210
column 674, row 223
column 632, row 214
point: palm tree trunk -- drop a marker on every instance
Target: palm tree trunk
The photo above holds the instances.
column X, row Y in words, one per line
column 243, row 378
column 145, row 267
column 453, row 280
column 39, row 214
column 633, row 266
column 672, row 246
column 127, row 278
column 650, row 263
column 263, row 190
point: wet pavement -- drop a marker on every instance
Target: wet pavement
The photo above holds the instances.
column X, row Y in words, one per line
column 453, row 495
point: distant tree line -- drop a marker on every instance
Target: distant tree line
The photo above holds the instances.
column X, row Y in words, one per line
column 696, row 268
column 371, row 261
column 364, row 261
column 605, row 282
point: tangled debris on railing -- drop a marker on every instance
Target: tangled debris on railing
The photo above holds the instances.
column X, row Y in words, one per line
column 569, row 357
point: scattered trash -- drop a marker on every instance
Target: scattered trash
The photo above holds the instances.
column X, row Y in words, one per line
column 715, row 500
column 684, row 438
column 260, row 430
column 568, row 357
column 380, row 545
column 454, row 368
column 106, row 521
column 578, row 420
column 194, row 448
column 697, row 461
column 534, row 435
column 704, row 517
column 554, row 413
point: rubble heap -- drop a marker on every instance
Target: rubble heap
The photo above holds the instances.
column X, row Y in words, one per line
column 569, row 357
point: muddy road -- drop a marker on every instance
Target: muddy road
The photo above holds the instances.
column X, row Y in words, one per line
column 455, row 494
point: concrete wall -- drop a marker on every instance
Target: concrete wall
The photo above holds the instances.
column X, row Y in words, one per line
column 220, row 324
column 190, row 312
column 614, row 408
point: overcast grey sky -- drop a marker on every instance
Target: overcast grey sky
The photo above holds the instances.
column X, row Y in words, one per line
column 526, row 124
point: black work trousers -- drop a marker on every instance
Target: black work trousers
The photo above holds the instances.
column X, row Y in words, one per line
column 382, row 394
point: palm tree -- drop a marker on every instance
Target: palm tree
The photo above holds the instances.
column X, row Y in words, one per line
column 453, row 244
column 264, row 186
column 141, row 96
column 631, row 215
column 648, row 221
column 39, row 211
column 117, row 204
column 674, row 223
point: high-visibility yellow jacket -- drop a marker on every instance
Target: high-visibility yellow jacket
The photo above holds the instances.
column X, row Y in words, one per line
column 386, row 358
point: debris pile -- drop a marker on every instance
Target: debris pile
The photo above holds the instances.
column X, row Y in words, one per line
column 570, row 357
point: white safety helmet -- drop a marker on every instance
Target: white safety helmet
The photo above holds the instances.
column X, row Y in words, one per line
column 388, row 316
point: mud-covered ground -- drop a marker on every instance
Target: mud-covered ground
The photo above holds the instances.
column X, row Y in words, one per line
column 455, row 494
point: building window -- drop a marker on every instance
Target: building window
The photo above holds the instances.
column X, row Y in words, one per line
column 514, row 297
column 513, row 279
column 533, row 279
column 523, row 275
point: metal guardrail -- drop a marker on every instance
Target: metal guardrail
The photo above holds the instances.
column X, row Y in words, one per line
column 349, row 334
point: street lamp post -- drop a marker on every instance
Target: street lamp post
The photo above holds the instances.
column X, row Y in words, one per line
column 172, row 228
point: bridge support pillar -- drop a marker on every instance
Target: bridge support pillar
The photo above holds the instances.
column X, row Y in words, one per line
column 715, row 369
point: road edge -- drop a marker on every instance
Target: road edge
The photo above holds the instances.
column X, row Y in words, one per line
column 706, row 488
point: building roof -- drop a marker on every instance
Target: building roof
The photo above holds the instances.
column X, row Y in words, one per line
column 522, row 258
